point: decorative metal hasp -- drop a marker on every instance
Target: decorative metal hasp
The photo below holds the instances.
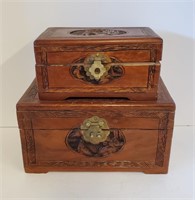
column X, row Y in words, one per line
column 95, row 66
column 95, row 130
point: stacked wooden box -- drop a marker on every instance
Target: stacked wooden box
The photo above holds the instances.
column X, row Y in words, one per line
column 98, row 103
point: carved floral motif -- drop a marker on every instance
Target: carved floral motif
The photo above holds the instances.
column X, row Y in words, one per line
column 114, row 72
column 97, row 32
column 113, row 144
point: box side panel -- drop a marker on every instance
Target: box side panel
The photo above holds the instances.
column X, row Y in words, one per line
column 145, row 151
column 139, row 82
column 145, row 126
column 166, row 141
column 137, row 149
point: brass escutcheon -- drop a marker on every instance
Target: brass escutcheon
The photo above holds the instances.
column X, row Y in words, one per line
column 95, row 130
column 95, row 66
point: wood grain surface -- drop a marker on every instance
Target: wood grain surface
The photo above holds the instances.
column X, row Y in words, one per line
column 58, row 49
column 45, row 126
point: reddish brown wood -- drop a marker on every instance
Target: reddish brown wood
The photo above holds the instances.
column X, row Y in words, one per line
column 57, row 50
column 64, row 58
column 45, row 127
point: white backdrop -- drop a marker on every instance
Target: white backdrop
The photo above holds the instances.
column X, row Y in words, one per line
column 22, row 21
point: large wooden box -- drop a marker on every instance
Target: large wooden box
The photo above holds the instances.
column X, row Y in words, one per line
column 98, row 62
column 96, row 134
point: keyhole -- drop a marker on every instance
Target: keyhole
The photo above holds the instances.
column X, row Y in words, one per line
column 97, row 70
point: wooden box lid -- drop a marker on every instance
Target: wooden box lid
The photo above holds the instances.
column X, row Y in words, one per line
column 57, row 39
column 111, row 35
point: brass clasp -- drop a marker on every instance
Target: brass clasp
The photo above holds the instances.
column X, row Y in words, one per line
column 95, row 130
column 95, row 66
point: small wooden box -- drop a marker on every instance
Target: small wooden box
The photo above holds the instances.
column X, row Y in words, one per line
column 96, row 134
column 98, row 62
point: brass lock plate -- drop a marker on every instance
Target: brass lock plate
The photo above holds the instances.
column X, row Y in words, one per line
column 95, row 139
column 95, row 130
column 96, row 66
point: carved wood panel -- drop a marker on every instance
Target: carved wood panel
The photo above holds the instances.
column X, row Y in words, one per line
column 79, row 72
column 113, row 144
column 160, row 151
column 97, row 32
column 115, row 72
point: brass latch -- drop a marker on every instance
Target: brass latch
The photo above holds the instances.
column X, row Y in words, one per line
column 95, row 130
column 95, row 66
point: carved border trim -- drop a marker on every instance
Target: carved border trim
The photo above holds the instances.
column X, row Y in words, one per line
column 113, row 164
column 44, row 68
column 33, row 92
column 44, row 55
column 159, row 161
column 153, row 54
column 162, row 116
column 151, row 72
column 150, row 85
column 104, row 48
column 164, row 119
column 92, row 88
column 161, row 147
column 30, row 145
column 45, row 77
column 134, row 46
